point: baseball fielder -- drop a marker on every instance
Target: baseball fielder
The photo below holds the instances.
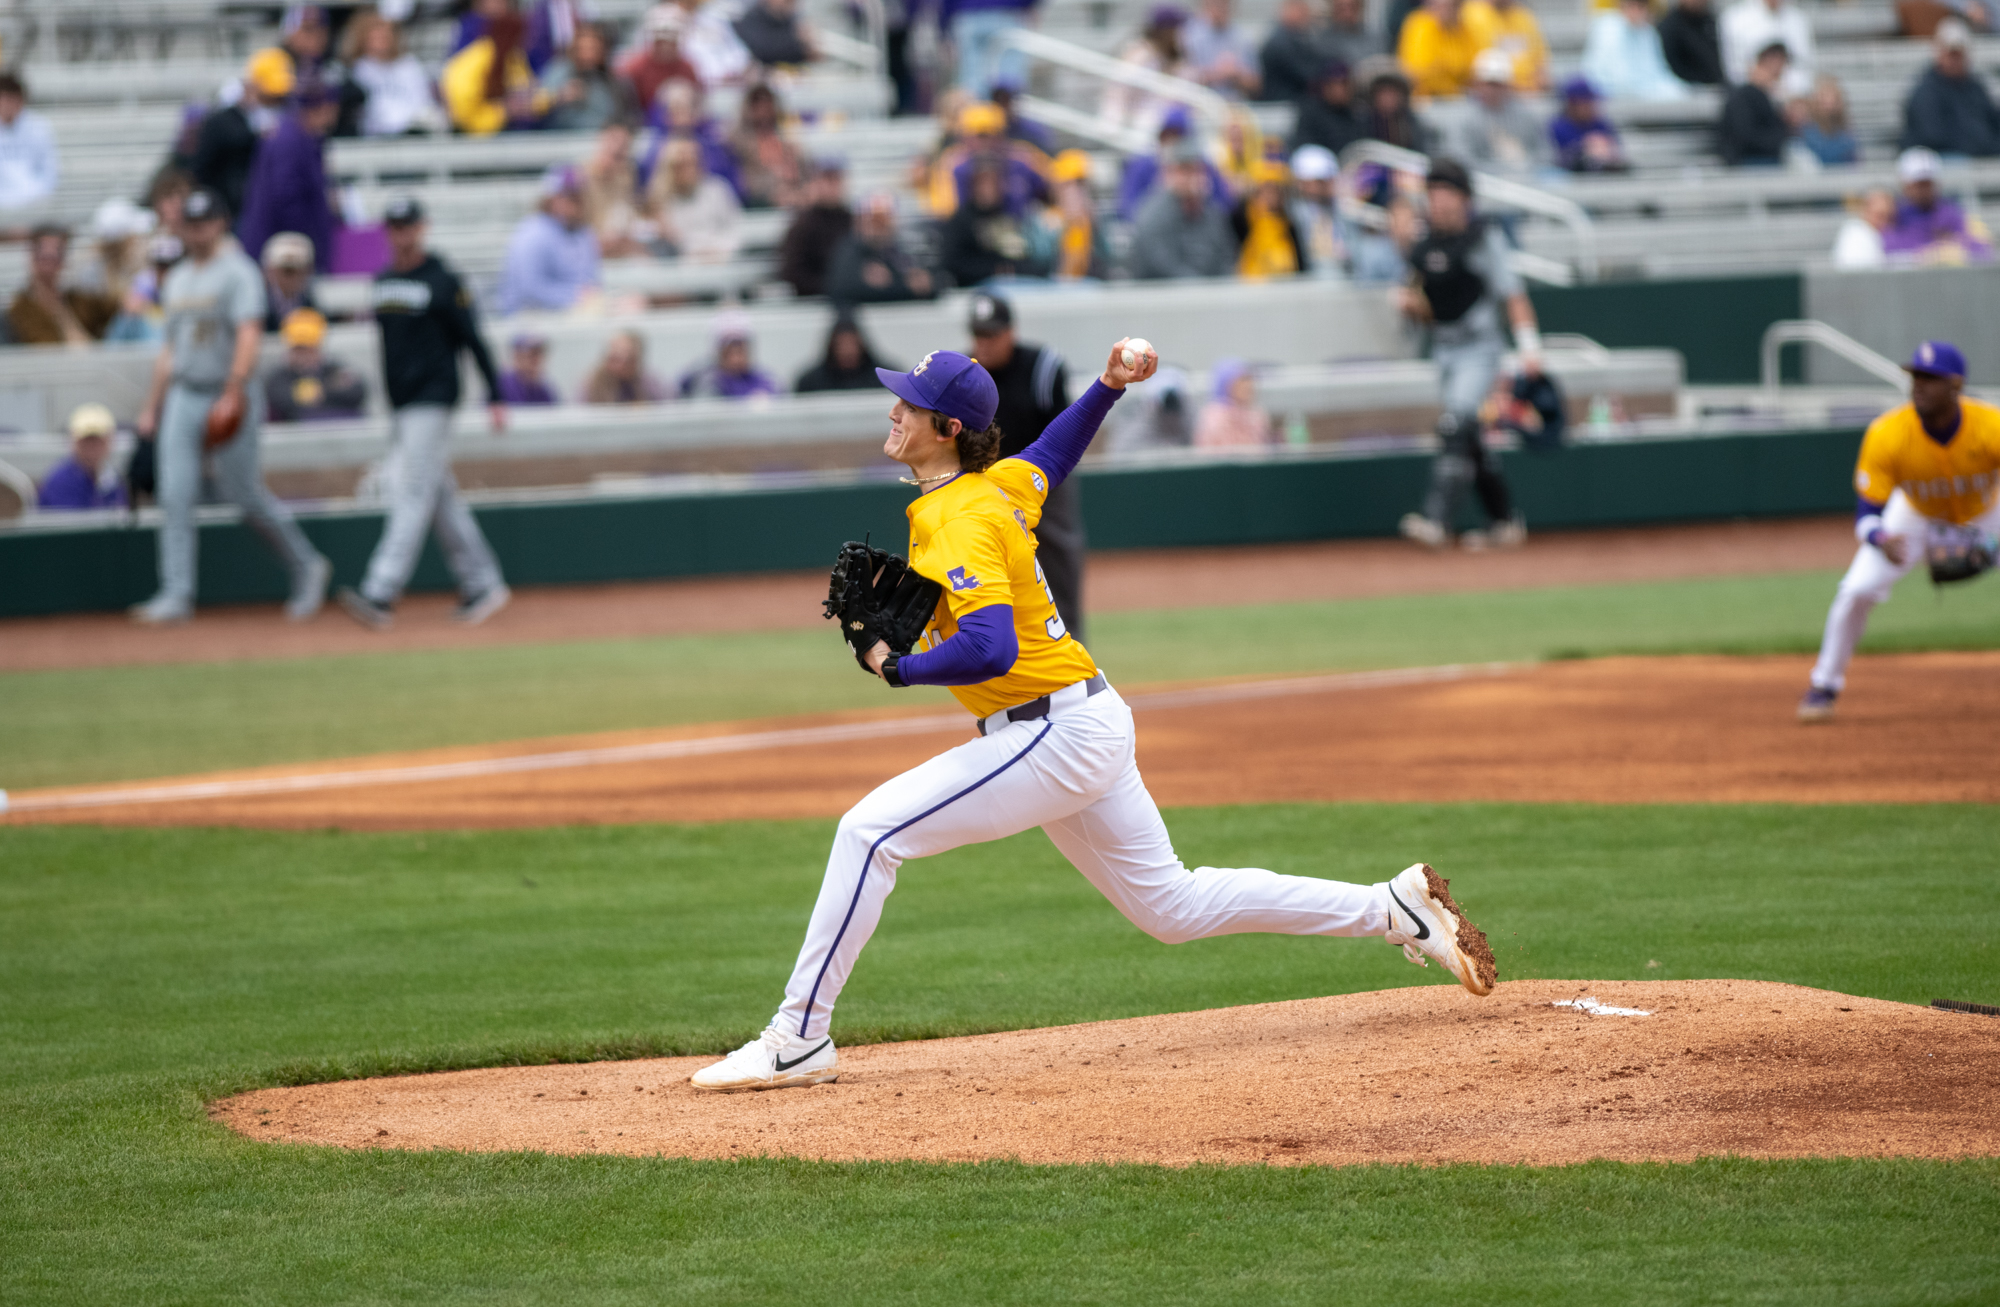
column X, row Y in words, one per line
column 1461, row 283
column 203, row 404
column 1928, row 489
column 1054, row 743
column 426, row 318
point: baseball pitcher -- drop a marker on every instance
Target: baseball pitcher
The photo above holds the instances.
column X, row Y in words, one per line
column 971, row 610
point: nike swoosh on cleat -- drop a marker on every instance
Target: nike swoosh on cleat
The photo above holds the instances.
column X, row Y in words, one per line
column 782, row 1065
column 1423, row 931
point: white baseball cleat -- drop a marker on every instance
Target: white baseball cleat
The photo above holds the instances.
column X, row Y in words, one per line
column 310, row 592
column 1417, row 527
column 161, row 611
column 773, row 1060
column 476, row 609
column 1425, row 922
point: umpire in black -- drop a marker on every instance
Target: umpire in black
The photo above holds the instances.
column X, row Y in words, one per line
column 1034, row 387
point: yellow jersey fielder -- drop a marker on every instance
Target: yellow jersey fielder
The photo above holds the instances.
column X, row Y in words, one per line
column 1927, row 486
column 1053, row 742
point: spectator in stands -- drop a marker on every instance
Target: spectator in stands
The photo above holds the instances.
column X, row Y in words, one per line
column 1232, row 419
column 523, row 383
column 1292, row 55
column 1181, row 231
column 731, row 374
column 697, row 212
column 1381, row 256
column 1390, row 117
column 1078, row 248
column 288, row 188
column 985, row 239
column 1498, row 131
column 1749, row 26
column 583, row 95
column 848, row 364
column 659, row 60
column 771, row 170
column 621, row 376
column 552, row 258
column 1584, row 138
column 1020, row 133
column 680, row 110
column 1624, row 59
column 1143, row 171
column 1223, row 56
column 140, row 320
column 1754, row 127
column 27, row 148
column 1517, row 35
column 1949, row 110
column 608, row 186
column 1859, row 241
column 1439, row 43
column 400, row 100
column 1825, row 130
column 1237, row 151
column 164, row 196
column 1929, row 228
column 1691, row 44
column 771, row 31
column 1157, row 49
column 1327, row 117
column 85, row 479
column 1314, row 217
column 227, row 145
column 118, row 231
column 45, row 313
column 288, row 273
column 554, row 26
column 710, row 44
column 1267, row 243
column 1347, row 36
column 305, row 38
column 805, row 256
column 488, row 86
column 976, row 27
column 305, row 385
column 872, row 267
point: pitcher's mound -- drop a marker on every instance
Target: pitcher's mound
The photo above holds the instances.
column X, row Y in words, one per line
column 1427, row 1074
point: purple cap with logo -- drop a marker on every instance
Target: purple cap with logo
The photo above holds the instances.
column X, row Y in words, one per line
column 949, row 383
column 1939, row 358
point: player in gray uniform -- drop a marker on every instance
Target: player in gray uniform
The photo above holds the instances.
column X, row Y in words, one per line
column 1461, row 282
column 214, row 306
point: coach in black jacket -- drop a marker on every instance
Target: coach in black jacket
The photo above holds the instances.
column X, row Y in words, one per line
column 1034, row 387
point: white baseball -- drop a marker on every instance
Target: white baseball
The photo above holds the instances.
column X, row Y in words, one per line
column 1135, row 350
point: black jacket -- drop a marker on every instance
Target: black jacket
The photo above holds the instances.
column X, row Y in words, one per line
column 1753, row 128
column 1692, row 45
column 1289, row 60
column 1333, row 125
column 426, row 319
column 980, row 243
column 772, row 39
column 1952, row 115
column 1034, row 387
column 846, row 284
column 224, row 151
column 805, row 258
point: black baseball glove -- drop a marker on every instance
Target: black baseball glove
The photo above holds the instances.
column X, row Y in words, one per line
column 1958, row 555
column 877, row 597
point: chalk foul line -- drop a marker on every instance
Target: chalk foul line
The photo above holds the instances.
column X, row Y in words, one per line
column 661, row 750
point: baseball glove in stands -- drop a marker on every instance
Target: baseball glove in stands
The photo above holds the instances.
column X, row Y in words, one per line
column 225, row 417
column 877, row 597
column 1958, row 555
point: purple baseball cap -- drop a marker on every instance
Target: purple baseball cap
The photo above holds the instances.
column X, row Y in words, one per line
column 947, row 382
column 1940, row 358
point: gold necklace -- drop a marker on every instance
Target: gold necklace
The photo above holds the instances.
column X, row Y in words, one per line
column 924, row 481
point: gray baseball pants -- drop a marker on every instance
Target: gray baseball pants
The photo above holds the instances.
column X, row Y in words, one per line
column 423, row 495
column 237, row 473
column 1465, row 376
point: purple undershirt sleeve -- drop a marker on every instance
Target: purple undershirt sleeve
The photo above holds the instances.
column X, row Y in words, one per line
column 1865, row 507
column 983, row 648
column 1063, row 441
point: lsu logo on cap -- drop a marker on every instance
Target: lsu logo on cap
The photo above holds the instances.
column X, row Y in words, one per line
column 961, row 579
column 923, row 363
column 1926, row 353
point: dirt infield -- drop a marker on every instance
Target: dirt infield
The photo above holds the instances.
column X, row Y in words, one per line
column 1427, row 1074
column 1118, row 582
column 1617, row 730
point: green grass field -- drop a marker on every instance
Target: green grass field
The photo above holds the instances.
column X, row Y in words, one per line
column 142, row 972
column 72, row 727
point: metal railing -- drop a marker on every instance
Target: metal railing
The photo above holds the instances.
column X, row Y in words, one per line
column 1194, row 95
column 1500, row 190
column 1809, row 331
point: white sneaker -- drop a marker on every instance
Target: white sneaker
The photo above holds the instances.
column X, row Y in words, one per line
column 473, row 611
column 1425, row 922
column 161, row 611
column 773, row 1060
column 310, row 592
column 1417, row 527
column 1509, row 534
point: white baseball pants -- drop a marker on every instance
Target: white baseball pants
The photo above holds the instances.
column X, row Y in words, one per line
column 1869, row 579
column 423, row 496
column 1074, row 774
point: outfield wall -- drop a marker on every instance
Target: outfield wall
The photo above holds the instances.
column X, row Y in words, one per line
column 1309, row 495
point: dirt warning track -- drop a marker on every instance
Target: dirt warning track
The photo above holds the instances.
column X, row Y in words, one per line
column 1619, row 730
column 1426, row 1074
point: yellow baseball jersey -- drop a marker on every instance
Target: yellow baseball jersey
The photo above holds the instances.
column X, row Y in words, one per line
column 975, row 536
column 1954, row 482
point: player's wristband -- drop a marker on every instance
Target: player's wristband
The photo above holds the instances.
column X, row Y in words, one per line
column 889, row 672
column 1869, row 529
